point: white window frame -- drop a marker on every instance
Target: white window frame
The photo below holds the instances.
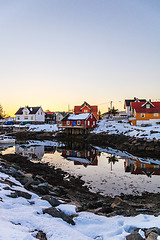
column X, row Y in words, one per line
column 148, row 105
column 156, row 114
column 68, row 122
column 143, row 115
column 88, row 123
column 78, row 122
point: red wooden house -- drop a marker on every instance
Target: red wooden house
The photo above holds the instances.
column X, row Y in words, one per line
column 86, row 108
column 79, row 123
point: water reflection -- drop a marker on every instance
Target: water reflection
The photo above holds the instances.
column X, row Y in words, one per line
column 81, row 157
column 34, row 152
column 138, row 167
column 109, row 172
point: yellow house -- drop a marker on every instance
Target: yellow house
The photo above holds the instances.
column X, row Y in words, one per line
column 145, row 112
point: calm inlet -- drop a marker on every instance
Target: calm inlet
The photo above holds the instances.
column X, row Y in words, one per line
column 106, row 171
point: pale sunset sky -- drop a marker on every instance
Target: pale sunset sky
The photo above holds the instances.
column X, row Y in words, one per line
column 59, row 52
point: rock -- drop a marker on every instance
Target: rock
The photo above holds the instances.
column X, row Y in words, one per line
column 99, row 238
column 154, row 229
column 117, row 202
column 41, row 235
column 53, row 201
column 43, row 188
column 20, row 194
column 58, row 214
column 152, row 236
column 107, row 209
column 134, row 236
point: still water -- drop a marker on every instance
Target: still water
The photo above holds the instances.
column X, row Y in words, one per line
column 109, row 173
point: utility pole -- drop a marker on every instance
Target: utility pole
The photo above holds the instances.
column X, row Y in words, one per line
column 111, row 104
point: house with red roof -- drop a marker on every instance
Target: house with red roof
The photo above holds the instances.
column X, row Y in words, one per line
column 86, row 108
column 145, row 112
column 127, row 104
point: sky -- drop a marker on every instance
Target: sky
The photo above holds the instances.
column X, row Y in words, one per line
column 60, row 53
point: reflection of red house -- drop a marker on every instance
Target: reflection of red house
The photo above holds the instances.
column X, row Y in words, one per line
column 138, row 167
column 85, row 157
column 86, row 108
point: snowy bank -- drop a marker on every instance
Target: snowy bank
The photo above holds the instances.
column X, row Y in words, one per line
column 43, row 128
column 123, row 127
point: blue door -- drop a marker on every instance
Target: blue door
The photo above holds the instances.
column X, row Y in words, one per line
column 74, row 123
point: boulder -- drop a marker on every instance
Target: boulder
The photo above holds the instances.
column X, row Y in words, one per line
column 116, row 203
column 53, row 201
column 59, row 214
column 41, row 235
column 20, row 194
column 134, row 236
column 152, row 236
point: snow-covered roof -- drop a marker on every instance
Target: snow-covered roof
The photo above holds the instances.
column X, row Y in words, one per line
column 81, row 116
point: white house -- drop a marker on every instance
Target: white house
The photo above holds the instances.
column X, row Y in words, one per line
column 60, row 116
column 30, row 114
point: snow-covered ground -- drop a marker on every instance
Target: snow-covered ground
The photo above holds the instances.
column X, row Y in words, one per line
column 115, row 127
column 43, row 128
column 21, row 219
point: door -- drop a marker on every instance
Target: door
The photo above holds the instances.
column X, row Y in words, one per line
column 74, row 123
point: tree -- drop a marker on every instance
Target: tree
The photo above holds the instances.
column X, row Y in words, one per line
column 99, row 115
column 112, row 111
column 112, row 160
column 1, row 111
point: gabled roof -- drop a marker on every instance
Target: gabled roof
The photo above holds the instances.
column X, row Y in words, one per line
column 139, row 107
column 75, row 117
column 32, row 110
column 77, row 109
column 62, row 113
column 128, row 101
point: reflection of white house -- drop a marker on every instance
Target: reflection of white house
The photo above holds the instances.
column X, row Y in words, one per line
column 31, row 114
column 31, row 152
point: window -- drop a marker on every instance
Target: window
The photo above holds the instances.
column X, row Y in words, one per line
column 142, row 115
column 67, row 153
column 68, row 122
column 85, row 111
column 156, row 166
column 142, row 165
column 156, row 114
column 78, row 122
column 31, row 117
column 25, row 118
column 78, row 154
column 93, row 123
column 25, row 113
column 88, row 123
column 148, row 105
column 18, row 118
